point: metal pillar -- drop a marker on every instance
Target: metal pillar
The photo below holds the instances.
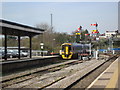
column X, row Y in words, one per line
column 5, row 45
column 18, row 47
column 30, row 37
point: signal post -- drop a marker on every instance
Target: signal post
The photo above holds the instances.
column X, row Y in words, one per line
column 78, row 34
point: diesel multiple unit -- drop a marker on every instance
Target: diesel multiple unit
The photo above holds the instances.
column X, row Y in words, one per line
column 75, row 50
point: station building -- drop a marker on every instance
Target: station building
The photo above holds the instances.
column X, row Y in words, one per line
column 109, row 34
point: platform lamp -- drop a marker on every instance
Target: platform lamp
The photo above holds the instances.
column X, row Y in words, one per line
column 42, row 47
column 53, row 46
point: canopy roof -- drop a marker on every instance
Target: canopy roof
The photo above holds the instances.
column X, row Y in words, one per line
column 16, row 29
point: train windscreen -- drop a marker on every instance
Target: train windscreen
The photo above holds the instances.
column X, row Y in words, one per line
column 64, row 46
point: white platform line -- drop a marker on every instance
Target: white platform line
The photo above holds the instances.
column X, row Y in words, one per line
column 99, row 76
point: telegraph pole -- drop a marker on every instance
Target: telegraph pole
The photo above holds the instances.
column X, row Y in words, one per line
column 51, row 31
column 51, row 21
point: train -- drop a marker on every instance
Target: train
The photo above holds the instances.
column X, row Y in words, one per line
column 75, row 51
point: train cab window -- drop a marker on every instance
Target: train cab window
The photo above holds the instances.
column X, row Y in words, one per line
column 69, row 47
column 63, row 47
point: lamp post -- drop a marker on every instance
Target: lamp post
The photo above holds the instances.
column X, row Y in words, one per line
column 42, row 47
column 53, row 45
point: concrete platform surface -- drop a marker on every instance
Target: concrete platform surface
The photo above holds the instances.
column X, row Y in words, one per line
column 109, row 78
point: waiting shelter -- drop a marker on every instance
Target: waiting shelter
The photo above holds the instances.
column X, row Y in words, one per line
column 19, row 30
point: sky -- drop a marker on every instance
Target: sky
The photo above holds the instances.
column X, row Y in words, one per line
column 67, row 16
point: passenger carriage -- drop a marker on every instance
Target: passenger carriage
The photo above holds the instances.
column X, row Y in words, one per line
column 75, row 50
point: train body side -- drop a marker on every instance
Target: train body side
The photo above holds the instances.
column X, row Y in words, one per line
column 74, row 50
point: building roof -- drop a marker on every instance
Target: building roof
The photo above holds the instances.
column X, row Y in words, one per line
column 112, row 31
column 16, row 29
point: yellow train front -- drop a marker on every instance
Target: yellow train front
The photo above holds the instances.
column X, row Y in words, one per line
column 74, row 50
column 66, row 51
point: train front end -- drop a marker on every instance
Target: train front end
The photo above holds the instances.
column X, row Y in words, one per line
column 66, row 51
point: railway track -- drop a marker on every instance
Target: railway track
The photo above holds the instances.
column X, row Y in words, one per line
column 71, row 81
column 85, row 81
column 46, row 77
column 29, row 74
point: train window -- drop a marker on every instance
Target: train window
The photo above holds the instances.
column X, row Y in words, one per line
column 78, row 47
column 73, row 48
column 63, row 47
column 69, row 47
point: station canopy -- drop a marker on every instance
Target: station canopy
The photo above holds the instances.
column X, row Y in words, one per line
column 15, row 29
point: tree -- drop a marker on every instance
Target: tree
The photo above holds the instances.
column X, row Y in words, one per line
column 11, row 41
column 47, row 37
column 83, row 32
column 52, row 40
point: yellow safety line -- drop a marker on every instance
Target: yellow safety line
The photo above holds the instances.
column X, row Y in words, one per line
column 113, row 81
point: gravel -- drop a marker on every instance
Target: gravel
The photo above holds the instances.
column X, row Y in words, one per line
column 85, row 82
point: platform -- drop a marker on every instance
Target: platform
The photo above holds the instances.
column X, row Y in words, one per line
column 109, row 78
column 10, row 65
column 25, row 58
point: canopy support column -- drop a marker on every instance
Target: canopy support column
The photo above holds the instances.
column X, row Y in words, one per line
column 5, row 45
column 30, row 43
column 18, row 47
